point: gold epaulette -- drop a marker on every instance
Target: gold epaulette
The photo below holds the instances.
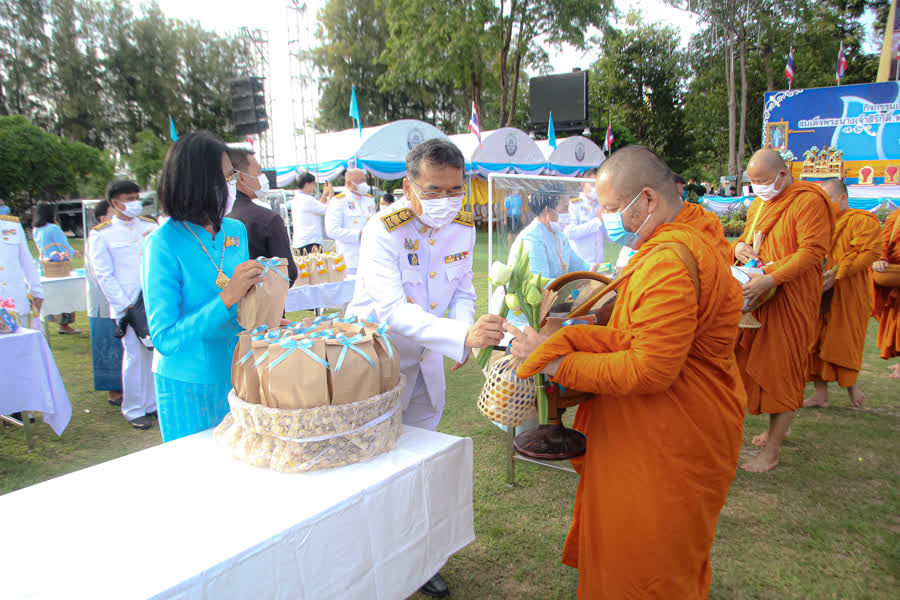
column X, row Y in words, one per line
column 148, row 219
column 100, row 226
column 464, row 218
column 575, row 199
column 9, row 218
column 397, row 218
column 340, row 195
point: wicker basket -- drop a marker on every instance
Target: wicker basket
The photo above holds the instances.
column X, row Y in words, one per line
column 297, row 440
column 505, row 398
column 888, row 279
column 55, row 269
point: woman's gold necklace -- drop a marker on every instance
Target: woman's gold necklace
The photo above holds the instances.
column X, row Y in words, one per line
column 221, row 279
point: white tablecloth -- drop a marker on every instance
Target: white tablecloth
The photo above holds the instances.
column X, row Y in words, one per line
column 323, row 295
column 189, row 521
column 31, row 380
column 64, row 294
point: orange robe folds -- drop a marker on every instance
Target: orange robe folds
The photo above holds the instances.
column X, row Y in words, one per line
column 774, row 359
column 842, row 335
column 887, row 300
column 665, row 426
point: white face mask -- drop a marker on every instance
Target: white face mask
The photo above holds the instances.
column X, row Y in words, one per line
column 768, row 191
column 592, row 195
column 132, row 208
column 362, row 188
column 263, row 186
column 440, row 211
column 232, row 194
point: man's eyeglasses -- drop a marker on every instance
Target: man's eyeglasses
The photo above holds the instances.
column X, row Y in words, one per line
column 232, row 176
column 454, row 193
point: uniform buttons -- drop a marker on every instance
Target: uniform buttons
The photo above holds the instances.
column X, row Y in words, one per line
column 431, row 242
column 432, row 274
column 423, row 230
column 422, row 359
column 433, row 305
column 409, row 299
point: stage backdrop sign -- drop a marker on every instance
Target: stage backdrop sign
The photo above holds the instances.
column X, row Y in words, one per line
column 862, row 121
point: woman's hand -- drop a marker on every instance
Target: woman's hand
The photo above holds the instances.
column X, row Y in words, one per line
column 744, row 253
column 246, row 275
column 525, row 341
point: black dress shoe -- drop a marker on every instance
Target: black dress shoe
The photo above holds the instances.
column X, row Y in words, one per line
column 436, row 587
column 141, row 422
column 117, row 401
column 152, row 414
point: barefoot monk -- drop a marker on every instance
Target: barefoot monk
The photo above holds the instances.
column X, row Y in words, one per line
column 837, row 355
column 666, row 423
column 791, row 223
column 887, row 299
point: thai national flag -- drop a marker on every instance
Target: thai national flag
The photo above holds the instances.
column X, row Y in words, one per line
column 841, row 65
column 789, row 69
column 473, row 124
column 609, row 139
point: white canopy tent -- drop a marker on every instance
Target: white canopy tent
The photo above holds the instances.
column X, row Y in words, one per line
column 573, row 156
column 505, row 150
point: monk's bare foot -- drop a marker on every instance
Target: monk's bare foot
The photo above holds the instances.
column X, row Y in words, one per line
column 857, row 397
column 760, row 440
column 760, row 463
column 817, row 400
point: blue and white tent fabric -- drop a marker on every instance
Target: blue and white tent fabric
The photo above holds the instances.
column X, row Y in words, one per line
column 507, row 150
column 572, row 156
column 722, row 204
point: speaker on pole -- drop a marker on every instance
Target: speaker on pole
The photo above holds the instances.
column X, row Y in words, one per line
column 248, row 105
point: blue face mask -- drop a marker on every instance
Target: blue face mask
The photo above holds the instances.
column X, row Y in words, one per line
column 617, row 232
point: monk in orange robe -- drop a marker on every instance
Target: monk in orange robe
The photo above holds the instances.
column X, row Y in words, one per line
column 887, row 300
column 838, row 353
column 795, row 222
column 666, row 424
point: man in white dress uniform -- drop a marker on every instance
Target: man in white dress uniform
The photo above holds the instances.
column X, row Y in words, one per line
column 347, row 214
column 116, row 248
column 18, row 274
column 415, row 272
column 585, row 229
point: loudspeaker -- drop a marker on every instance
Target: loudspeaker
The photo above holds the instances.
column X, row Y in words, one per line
column 248, row 105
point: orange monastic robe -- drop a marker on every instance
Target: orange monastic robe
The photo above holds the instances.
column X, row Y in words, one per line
column 887, row 300
column 665, row 426
column 774, row 359
column 842, row 334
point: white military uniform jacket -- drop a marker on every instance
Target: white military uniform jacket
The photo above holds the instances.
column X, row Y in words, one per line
column 420, row 281
column 585, row 229
column 345, row 217
column 18, row 275
column 116, row 249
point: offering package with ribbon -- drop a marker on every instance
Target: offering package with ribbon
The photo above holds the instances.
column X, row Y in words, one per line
column 317, row 393
column 8, row 322
column 264, row 303
column 314, row 268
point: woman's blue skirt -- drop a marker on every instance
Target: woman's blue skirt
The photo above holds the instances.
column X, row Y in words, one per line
column 186, row 408
column 106, row 355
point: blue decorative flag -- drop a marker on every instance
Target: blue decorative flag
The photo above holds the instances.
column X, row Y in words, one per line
column 354, row 110
column 551, row 132
column 173, row 135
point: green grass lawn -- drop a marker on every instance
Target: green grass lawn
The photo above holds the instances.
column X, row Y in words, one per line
column 824, row 524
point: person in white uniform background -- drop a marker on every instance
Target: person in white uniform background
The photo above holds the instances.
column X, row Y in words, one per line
column 415, row 272
column 18, row 274
column 585, row 229
column 347, row 214
column 307, row 213
column 116, row 248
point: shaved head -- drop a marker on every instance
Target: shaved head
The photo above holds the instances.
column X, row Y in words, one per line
column 767, row 168
column 769, row 160
column 837, row 192
column 637, row 185
column 630, row 169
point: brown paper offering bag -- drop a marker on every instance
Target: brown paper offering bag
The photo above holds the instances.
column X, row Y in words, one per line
column 302, row 271
column 389, row 364
column 349, row 326
column 316, row 269
column 260, row 345
column 242, row 365
column 298, row 375
column 264, row 303
column 336, row 267
column 354, row 373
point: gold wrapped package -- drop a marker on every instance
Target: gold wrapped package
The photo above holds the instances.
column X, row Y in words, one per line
column 293, row 441
column 264, row 303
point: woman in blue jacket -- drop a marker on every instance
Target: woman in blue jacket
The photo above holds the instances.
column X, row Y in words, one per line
column 195, row 269
column 49, row 237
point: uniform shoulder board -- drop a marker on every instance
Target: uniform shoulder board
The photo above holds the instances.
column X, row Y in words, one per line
column 103, row 225
column 464, row 218
column 9, row 218
column 148, row 219
column 575, row 199
column 397, row 218
column 340, row 195
column 369, row 196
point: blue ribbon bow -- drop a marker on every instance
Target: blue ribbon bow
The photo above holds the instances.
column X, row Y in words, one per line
column 325, row 333
column 259, row 330
column 568, row 322
column 271, row 264
column 348, row 344
column 292, row 345
column 382, row 331
column 323, row 318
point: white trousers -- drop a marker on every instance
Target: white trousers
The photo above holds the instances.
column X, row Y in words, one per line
column 138, row 388
column 420, row 413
